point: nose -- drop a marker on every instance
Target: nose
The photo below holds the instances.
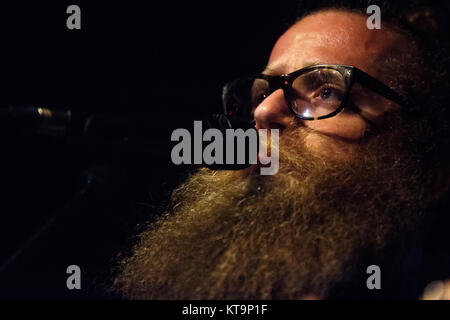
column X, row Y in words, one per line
column 273, row 112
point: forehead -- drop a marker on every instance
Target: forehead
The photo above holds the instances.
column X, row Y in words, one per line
column 333, row 37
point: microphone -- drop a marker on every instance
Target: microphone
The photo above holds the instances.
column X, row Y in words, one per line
column 105, row 132
column 32, row 120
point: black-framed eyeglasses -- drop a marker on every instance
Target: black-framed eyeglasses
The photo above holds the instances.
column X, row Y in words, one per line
column 312, row 93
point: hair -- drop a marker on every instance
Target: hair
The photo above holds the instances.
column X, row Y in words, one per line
column 422, row 79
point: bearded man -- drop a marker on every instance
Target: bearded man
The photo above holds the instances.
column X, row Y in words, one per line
column 363, row 174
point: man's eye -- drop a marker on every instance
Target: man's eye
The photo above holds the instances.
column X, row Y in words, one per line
column 330, row 93
column 325, row 93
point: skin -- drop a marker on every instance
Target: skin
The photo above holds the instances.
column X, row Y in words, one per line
column 332, row 37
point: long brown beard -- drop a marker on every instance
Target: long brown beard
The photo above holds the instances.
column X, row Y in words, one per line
column 230, row 235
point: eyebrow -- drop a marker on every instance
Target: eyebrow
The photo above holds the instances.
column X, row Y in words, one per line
column 273, row 71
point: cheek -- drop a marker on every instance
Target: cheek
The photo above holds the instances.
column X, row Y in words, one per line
column 335, row 138
column 327, row 147
column 346, row 126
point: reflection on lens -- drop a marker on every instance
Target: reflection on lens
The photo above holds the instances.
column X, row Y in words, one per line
column 306, row 113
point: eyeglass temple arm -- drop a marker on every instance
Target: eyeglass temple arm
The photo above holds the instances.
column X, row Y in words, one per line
column 377, row 86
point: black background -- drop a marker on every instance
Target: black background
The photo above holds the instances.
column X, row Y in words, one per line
column 161, row 64
column 150, row 68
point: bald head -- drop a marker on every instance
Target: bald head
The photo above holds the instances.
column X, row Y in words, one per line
column 335, row 37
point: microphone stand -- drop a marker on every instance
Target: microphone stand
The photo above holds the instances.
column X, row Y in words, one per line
column 94, row 178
